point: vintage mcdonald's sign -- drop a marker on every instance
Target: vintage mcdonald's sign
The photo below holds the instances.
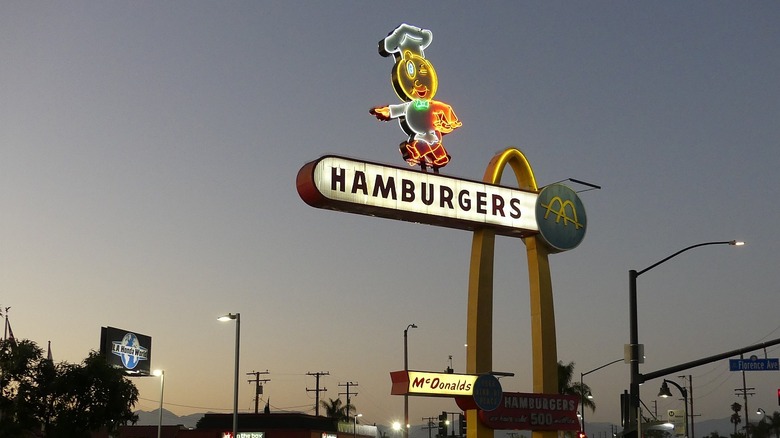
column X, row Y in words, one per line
column 528, row 411
column 355, row 186
column 561, row 217
column 432, row 384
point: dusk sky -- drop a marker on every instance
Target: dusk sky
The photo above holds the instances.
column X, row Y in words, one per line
column 149, row 150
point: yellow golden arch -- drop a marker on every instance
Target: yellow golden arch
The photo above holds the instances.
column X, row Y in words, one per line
column 479, row 338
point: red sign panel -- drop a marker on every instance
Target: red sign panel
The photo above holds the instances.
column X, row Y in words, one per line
column 524, row 411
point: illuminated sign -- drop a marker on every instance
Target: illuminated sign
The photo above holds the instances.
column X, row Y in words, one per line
column 126, row 350
column 244, row 435
column 432, row 384
column 524, row 411
column 414, row 79
column 349, row 185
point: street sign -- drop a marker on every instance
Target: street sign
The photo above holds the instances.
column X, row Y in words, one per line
column 754, row 364
column 677, row 418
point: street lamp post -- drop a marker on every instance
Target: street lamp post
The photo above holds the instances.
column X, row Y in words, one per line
column 161, row 375
column 235, row 317
column 762, row 413
column 406, row 368
column 354, row 429
column 582, row 392
column 634, row 419
column 664, row 392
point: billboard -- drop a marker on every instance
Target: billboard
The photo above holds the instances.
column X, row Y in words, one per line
column 129, row 351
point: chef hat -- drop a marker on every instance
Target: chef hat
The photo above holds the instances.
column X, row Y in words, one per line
column 405, row 37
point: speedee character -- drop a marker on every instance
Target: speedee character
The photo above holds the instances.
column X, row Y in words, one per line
column 425, row 120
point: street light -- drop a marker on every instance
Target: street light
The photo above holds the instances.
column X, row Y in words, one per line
column 406, row 368
column 354, row 430
column 161, row 375
column 762, row 413
column 582, row 395
column 664, row 392
column 234, row 317
column 634, row 347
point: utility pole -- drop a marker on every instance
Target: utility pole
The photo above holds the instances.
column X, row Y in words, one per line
column 258, row 385
column 430, row 425
column 348, row 384
column 317, row 390
column 689, row 377
column 745, row 395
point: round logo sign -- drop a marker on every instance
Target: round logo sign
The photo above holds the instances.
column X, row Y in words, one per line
column 487, row 392
column 561, row 217
column 130, row 351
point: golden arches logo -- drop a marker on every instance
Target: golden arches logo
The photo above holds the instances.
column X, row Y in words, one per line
column 562, row 211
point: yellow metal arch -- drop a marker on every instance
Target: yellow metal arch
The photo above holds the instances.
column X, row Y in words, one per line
column 479, row 337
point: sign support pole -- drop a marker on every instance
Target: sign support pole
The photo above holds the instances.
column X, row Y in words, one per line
column 480, row 302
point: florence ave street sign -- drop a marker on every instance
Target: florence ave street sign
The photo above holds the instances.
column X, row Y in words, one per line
column 754, row 364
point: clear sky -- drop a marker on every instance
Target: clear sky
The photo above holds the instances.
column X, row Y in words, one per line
column 148, row 155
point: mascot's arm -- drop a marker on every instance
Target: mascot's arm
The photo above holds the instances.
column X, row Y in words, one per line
column 381, row 112
column 444, row 118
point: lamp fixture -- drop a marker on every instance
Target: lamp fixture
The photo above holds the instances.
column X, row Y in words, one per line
column 664, row 392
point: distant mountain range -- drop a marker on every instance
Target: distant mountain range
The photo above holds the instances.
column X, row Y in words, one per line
column 595, row 430
column 152, row 418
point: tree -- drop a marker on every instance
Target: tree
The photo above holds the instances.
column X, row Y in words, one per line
column 774, row 424
column 566, row 386
column 336, row 410
column 62, row 400
column 735, row 418
column 19, row 410
column 762, row 429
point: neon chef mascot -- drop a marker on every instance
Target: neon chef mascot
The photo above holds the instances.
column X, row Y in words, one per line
column 414, row 79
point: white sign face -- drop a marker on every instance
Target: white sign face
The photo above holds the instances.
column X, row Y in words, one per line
column 441, row 384
column 677, row 418
column 360, row 187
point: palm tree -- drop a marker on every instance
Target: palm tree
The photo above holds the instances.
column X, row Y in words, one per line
column 336, row 410
column 735, row 418
column 566, row 386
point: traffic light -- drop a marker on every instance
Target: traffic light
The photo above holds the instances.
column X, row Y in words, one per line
column 462, row 423
column 443, row 425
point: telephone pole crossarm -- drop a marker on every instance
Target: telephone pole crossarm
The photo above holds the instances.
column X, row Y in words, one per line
column 258, row 385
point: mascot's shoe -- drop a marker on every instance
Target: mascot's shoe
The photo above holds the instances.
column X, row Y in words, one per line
column 410, row 153
column 439, row 155
column 441, row 161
